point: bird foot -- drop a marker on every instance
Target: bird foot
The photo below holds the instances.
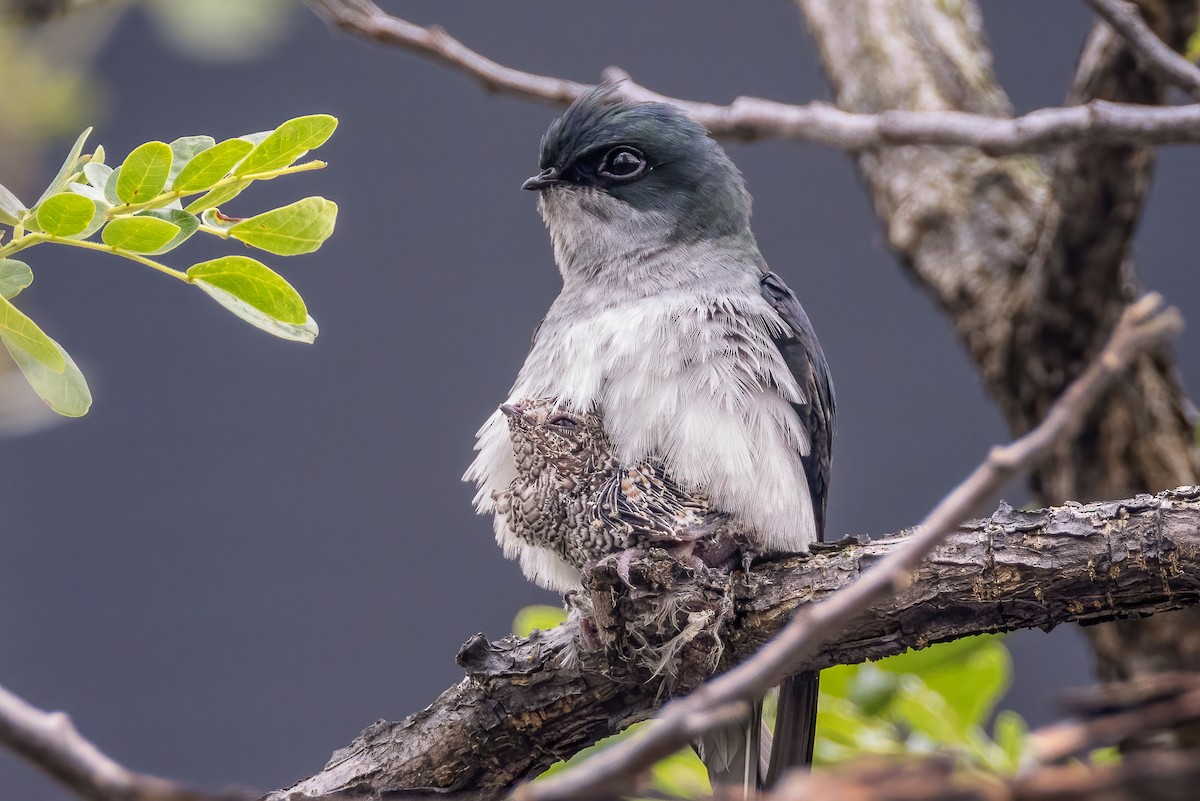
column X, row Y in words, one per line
column 625, row 561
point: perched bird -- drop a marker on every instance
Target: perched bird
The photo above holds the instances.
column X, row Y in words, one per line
column 671, row 326
column 572, row 496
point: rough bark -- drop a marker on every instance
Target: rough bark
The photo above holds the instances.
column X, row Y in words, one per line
column 1029, row 259
column 526, row 703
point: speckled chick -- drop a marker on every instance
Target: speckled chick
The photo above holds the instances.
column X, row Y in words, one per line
column 572, row 496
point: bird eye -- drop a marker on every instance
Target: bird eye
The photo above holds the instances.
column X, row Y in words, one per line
column 563, row 421
column 622, row 163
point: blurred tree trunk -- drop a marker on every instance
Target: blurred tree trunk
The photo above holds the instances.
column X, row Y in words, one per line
column 1029, row 258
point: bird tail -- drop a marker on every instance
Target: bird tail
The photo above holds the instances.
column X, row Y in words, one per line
column 795, row 725
column 732, row 754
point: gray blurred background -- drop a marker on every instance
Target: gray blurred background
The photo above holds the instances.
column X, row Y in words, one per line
column 250, row 549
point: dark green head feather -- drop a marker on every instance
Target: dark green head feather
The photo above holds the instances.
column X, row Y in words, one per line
column 686, row 175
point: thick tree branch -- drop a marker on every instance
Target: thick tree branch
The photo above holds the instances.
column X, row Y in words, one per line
column 1031, row 264
column 1082, row 271
column 526, row 703
column 1153, row 53
column 756, row 118
column 50, row 741
column 1078, row 277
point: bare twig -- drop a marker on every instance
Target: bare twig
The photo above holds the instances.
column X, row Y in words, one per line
column 1103, row 716
column 1162, row 776
column 1154, row 54
column 1109, row 714
column 1143, row 325
column 756, row 118
column 51, row 742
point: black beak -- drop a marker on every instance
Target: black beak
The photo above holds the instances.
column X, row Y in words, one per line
column 547, row 177
column 512, row 409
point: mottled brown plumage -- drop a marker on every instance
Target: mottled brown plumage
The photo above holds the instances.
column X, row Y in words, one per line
column 572, row 496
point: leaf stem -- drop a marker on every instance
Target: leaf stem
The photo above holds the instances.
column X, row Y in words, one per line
column 214, row 230
column 20, row 242
column 83, row 243
column 167, row 197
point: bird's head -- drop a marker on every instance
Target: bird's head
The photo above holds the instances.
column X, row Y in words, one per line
column 618, row 177
column 544, row 434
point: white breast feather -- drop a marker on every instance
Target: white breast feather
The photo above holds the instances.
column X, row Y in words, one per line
column 671, row 384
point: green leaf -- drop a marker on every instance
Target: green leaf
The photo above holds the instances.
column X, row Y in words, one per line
column 101, row 206
column 287, row 143
column 1010, row 734
column 681, row 775
column 210, row 166
column 67, row 169
column 65, row 214
column 187, row 223
column 139, row 234
column 91, row 193
column 184, row 149
column 257, row 137
column 873, row 689
column 300, row 227
column 65, row 391
column 216, row 197
column 19, row 331
column 110, row 186
column 145, row 172
column 538, row 617
column 11, row 208
column 841, row 723
column 925, row 711
column 972, row 674
column 14, row 276
column 835, row 681
column 258, row 295
column 97, row 174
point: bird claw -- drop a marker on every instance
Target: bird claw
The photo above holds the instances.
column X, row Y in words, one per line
column 625, row 562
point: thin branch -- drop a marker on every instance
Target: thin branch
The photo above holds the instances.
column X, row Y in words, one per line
column 1154, row 54
column 1143, row 325
column 51, row 742
column 1102, row 716
column 1110, row 714
column 749, row 118
column 1159, row 776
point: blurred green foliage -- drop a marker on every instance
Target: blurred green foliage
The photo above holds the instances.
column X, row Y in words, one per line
column 223, row 30
column 41, row 96
column 136, row 210
column 935, row 700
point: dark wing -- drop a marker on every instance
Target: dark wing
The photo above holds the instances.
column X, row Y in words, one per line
column 802, row 353
column 796, row 715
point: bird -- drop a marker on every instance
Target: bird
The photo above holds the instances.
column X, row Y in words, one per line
column 573, row 496
column 671, row 325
